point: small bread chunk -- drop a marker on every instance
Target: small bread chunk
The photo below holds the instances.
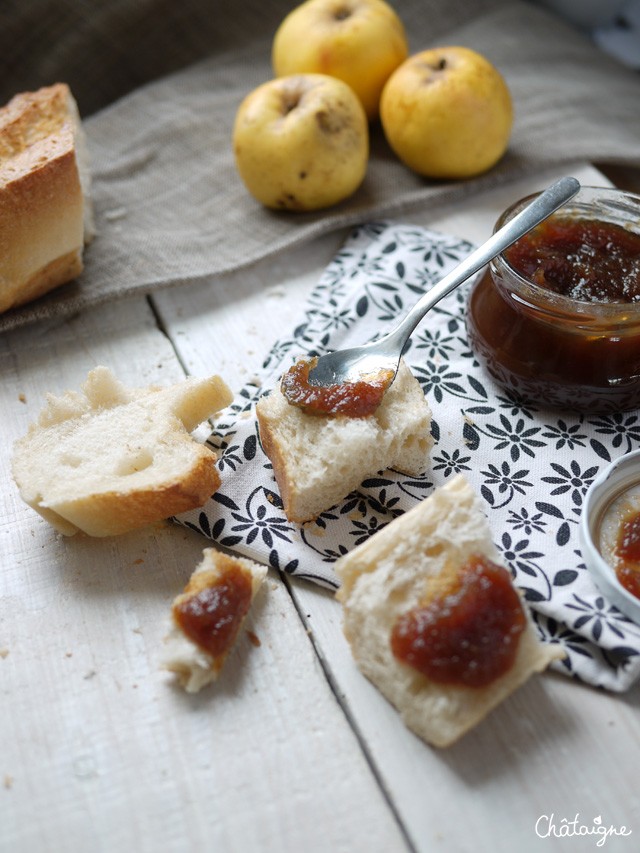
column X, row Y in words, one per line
column 45, row 208
column 111, row 459
column 318, row 459
column 411, row 561
column 208, row 615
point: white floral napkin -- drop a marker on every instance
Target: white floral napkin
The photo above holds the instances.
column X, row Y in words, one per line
column 531, row 466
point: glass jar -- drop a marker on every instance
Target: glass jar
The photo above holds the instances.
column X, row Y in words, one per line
column 555, row 350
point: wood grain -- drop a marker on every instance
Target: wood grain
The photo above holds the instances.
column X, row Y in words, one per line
column 100, row 750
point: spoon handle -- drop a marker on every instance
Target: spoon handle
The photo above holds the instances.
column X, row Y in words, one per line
column 540, row 208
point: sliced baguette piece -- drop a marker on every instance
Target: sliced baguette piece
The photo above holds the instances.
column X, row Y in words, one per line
column 413, row 559
column 46, row 215
column 110, row 459
column 212, row 583
column 317, row 460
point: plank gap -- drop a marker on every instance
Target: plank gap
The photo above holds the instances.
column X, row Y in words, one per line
column 344, row 707
column 163, row 329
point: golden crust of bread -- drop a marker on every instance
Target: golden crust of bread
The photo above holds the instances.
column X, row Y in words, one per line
column 274, row 452
column 116, row 512
column 42, row 228
column 148, row 466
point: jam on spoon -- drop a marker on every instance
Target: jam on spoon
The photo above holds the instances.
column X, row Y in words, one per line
column 357, row 399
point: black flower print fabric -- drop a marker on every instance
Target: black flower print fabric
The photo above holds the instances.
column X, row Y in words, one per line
column 531, row 466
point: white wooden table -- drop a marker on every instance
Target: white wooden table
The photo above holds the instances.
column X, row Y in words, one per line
column 292, row 749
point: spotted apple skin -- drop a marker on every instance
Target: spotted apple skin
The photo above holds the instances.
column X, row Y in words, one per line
column 301, row 143
column 447, row 113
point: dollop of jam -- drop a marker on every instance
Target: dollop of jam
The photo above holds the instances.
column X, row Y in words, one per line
column 354, row 399
column 584, row 259
column 468, row 637
column 210, row 612
column 627, row 554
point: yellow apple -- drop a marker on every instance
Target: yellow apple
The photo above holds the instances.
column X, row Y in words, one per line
column 301, row 142
column 358, row 41
column 447, row 113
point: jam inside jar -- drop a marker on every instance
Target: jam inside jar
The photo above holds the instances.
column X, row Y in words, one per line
column 556, row 319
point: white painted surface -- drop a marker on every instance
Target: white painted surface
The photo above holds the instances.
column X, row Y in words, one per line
column 292, row 749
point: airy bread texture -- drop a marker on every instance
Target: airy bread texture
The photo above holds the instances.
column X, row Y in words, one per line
column 45, row 208
column 317, row 459
column 396, row 570
column 193, row 666
column 111, row 459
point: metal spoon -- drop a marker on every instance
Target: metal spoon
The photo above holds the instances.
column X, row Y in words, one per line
column 356, row 363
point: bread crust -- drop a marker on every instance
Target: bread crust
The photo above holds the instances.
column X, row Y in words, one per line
column 43, row 202
column 115, row 512
column 287, row 488
column 110, row 459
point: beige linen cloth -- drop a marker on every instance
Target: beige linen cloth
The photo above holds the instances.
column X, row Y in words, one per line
column 159, row 82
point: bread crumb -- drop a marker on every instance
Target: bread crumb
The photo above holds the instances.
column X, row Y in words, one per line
column 277, row 292
column 68, row 654
column 8, row 781
column 138, row 561
column 22, row 398
column 4, row 653
column 254, row 638
column 89, row 675
column 115, row 214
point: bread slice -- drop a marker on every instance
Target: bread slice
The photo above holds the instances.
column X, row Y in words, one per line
column 111, row 459
column 213, row 583
column 45, row 207
column 317, row 459
column 413, row 560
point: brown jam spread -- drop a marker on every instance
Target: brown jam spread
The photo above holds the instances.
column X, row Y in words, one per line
column 584, row 259
column 627, row 554
column 468, row 637
column 211, row 615
column 353, row 399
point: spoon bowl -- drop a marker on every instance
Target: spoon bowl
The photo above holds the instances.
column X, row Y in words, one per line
column 383, row 355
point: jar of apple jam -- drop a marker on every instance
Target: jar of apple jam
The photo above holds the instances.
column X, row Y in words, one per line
column 555, row 318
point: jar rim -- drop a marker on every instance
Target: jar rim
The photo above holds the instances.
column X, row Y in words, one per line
column 618, row 206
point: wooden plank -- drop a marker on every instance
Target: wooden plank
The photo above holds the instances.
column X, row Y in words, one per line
column 543, row 750
column 99, row 750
